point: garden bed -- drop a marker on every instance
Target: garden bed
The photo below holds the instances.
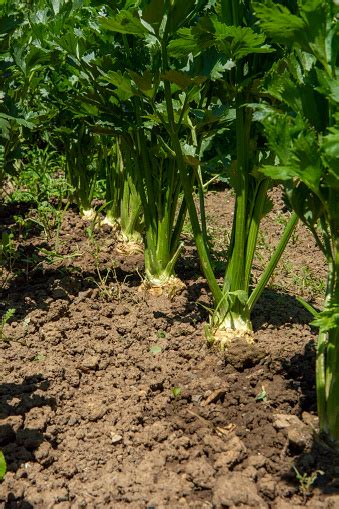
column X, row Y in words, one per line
column 111, row 397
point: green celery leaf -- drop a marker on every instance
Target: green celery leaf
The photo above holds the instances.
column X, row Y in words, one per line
column 280, row 24
column 279, row 172
column 327, row 319
column 330, row 143
column 328, row 86
column 241, row 295
column 238, row 41
column 124, row 23
column 184, row 44
column 305, row 203
column 330, row 151
column 123, row 83
column 154, row 13
column 316, row 14
column 144, row 82
column 182, row 79
column 278, row 83
column 4, row 126
column 307, row 159
column 219, row 68
column 310, row 31
column 180, row 12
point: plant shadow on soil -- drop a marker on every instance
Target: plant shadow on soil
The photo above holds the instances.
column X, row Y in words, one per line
column 12, row 503
column 278, row 308
column 318, row 457
column 8, row 213
column 21, row 431
column 35, row 289
column 274, row 308
column 18, row 441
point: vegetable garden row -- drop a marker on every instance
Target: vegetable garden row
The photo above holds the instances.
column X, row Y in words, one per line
column 152, row 101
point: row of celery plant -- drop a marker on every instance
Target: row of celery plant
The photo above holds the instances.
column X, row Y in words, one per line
column 303, row 130
column 71, row 129
column 150, row 168
column 160, row 108
column 39, row 82
column 236, row 52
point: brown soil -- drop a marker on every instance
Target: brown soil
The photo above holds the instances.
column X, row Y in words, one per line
column 112, row 398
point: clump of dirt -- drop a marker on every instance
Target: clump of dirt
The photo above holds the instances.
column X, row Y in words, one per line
column 243, row 355
column 112, row 398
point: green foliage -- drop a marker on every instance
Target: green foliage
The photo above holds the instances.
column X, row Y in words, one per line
column 8, row 252
column 4, row 320
column 302, row 129
column 306, row 481
column 262, row 395
column 309, row 31
column 3, row 466
column 155, row 349
column 176, row 392
column 40, row 176
column 327, row 319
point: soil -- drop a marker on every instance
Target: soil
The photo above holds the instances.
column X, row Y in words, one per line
column 112, row 398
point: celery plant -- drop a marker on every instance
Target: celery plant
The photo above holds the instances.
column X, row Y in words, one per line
column 81, row 160
column 181, row 103
column 123, row 209
column 70, row 124
column 160, row 193
column 303, row 130
column 105, row 75
column 239, row 58
column 36, row 85
column 145, row 144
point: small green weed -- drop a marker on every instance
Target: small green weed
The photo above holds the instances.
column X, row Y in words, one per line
column 5, row 319
column 8, row 253
column 50, row 218
column 176, row 392
column 155, row 349
column 24, row 226
column 306, row 481
column 107, row 284
column 262, row 396
column 208, row 334
column 40, row 177
column 39, row 357
column 308, row 283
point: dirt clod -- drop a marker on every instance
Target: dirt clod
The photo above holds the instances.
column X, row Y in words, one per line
column 235, row 490
column 243, row 355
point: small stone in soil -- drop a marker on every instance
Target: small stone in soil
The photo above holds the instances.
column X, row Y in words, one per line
column 215, row 396
column 115, row 438
column 90, row 363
